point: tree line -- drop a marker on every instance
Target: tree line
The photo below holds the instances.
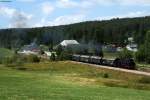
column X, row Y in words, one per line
column 109, row 31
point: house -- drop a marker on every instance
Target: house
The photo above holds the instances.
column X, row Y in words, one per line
column 33, row 48
column 119, row 49
column 109, row 48
column 132, row 47
column 49, row 54
column 66, row 43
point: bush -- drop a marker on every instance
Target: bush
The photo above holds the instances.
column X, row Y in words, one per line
column 31, row 58
column 22, row 68
column 125, row 54
column 59, row 50
column 140, row 55
column 105, row 75
column 147, row 47
column 64, row 56
column 13, row 61
column 8, row 60
column 53, row 57
column 145, row 80
column 19, row 60
column 114, row 83
column 143, row 55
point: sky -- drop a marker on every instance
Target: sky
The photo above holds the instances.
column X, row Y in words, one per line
column 38, row 13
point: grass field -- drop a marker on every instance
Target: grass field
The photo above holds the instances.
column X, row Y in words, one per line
column 69, row 81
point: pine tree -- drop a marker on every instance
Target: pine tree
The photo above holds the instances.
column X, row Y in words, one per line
column 147, row 47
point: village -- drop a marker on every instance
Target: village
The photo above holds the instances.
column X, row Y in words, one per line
column 74, row 46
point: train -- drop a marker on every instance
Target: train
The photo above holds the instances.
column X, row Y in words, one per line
column 127, row 63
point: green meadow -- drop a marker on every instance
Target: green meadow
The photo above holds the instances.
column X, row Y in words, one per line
column 67, row 80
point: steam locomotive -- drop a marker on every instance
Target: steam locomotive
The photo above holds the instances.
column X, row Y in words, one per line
column 120, row 63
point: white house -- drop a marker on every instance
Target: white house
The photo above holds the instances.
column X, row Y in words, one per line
column 132, row 47
column 49, row 54
column 66, row 43
column 119, row 49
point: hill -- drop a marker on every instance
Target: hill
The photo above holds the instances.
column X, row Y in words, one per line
column 108, row 31
column 5, row 52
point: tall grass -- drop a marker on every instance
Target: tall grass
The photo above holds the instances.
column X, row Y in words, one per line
column 101, row 76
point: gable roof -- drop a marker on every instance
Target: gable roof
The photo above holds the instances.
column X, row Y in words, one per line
column 68, row 42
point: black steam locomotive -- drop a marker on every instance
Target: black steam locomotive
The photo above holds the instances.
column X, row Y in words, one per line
column 120, row 63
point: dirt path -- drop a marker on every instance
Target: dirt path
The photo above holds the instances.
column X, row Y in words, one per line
column 117, row 69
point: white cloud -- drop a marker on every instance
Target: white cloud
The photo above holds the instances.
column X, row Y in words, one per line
column 26, row 0
column 127, row 15
column 123, row 2
column 42, row 22
column 7, row 11
column 66, row 3
column 47, row 8
column 135, row 2
column 74, row 3
column 68, row 19
column 61, row 20
column 18, row 19
column 90, row 3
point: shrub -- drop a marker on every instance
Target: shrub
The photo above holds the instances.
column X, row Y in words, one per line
column 140, row 55
column 64, row 56
column 59, row 50
column 31, row 58
column 19, row 61
column 143, row 55
column 145, row 80
column 53, row 57
column 8, row 60
column 13, row 61
column 147, row 47
column 105, row 75
column 114, row 83
column 22, row 68
column 125, row 54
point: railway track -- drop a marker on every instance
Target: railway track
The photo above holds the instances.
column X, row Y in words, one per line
column 116, row 69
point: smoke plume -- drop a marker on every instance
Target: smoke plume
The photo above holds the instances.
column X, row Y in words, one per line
column 20, row 20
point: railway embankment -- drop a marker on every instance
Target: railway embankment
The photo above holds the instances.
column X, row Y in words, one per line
column 116, row 69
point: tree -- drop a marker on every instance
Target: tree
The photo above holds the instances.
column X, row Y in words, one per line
column 125, row 54
column 147, row 47
column 51, row 47
column 32, row 58
column 140, row 56
column 101, row 54
column 53, row 57
column 59, row 50
column 64, row 56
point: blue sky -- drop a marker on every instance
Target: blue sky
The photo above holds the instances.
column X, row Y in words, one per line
column 36, row 13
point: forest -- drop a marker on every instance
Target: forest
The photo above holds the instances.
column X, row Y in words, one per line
column 114, row 31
